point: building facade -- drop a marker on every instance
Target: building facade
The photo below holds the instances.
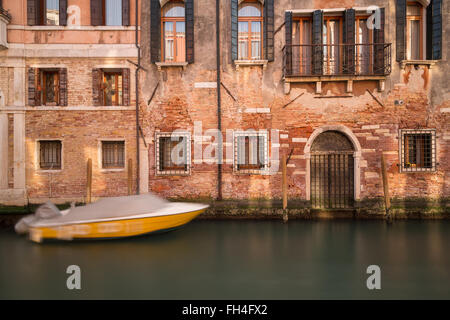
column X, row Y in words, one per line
column 67, row 95
column 330, row 86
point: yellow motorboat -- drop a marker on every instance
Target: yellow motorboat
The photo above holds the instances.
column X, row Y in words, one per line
column 109, row 218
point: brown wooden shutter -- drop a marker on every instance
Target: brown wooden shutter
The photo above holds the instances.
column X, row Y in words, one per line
column 97, row 90
column 234, row 29
column 155, row 31
column 269, row 30
column 400, row 29
column 38, row 87
column 126, row 86
column 378, row 38
column 288, row 43
column 349, row 40
column 33, row 12
column 63, row 12
column 317, row 52
column 63, row 87
column 31, row 86
column 96, row 12
column 434, row 30
column 126, row 12
column 189, row 17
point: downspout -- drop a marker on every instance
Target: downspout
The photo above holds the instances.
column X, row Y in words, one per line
column 219, row 111
column 138, row 162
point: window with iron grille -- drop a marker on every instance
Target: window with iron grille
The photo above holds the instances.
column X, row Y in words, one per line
column 250, row 152
column 113, row 154
column 418, row 150
column 173, row 153
column 50, row 155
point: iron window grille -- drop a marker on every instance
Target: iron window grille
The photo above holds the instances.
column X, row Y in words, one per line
column 165, row 144
column 113, row 154
column 251, row 152
column 418, row 150
column 50, row 155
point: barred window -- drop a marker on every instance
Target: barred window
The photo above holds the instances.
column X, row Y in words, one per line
column 418, row 150
column 250, row 152
column 113, row 154
column 173, row 153
column 50, row 155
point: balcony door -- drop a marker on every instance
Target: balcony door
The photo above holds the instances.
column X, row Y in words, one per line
column 332, row 40
column 302, row 49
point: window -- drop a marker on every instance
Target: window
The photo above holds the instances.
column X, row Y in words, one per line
column 418, row 150
column 47, row 12
column 414, row 31
column 113, row 12
column 301, row 40
column 364, row 49
column 173, row 153
column 50, row 155
column 250, row 20
column 332, row 38
column 110, row 12
column 174, row 32
column 113, row 154
column 251, row 152
column 52, row 12
column 112, row 88
column 50, row 88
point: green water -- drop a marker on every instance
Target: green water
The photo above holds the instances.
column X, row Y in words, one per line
column 238, row 260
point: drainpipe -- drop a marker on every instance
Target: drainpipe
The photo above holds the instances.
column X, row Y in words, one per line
column 137, row 99
column 219, row 112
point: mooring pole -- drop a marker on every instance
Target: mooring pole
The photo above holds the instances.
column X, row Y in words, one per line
column 387, row 200
column 284, row 187
column 89, row 181
column 130, row 176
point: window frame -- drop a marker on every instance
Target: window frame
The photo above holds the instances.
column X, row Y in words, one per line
column 419, row 18
column 161, row 172
column 304, row 69
column 264, row 169
column 249, row 20
column 358, row 65
column 39, row 153
column 101, row 157
column 327, row 65
column 116, row 74
column 402, row 134
column 174, row 21
column 43, row 87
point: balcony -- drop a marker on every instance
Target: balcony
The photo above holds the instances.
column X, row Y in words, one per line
column 339, row 62
column 5, row 19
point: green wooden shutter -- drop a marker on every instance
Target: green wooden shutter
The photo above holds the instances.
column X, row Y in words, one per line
column 33, row 8
column 234, row 29
column 400, row 29
column 96, row 12
column 288, row 43
column 189, row 6
column 378, row 37
column 317, row 52
column 63, row 12
column 349, row 41
column 97, row 91
column 155, row 31
column 269, row 30
column 434, row 30
column 125, row 12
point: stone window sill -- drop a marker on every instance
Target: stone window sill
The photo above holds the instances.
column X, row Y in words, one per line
column 72, row 27
column 250, row 63
column 429, row 63
column 161, row 65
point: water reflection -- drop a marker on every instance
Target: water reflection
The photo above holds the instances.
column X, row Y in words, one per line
column 240, row 260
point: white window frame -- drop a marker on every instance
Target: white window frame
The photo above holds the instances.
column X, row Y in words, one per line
column 260, row 133
column 401, row 139
column 158, row 170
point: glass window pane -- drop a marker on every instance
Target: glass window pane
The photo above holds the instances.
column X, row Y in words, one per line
column 414, row 40
column 52, row 14
column 113, row 12
column 250, row 10
column 181, row 41
column 173, row 10
column 168, row 41
column 243, row 40
column 256, row 40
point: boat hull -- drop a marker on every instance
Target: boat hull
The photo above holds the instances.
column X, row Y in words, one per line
column 113, row 229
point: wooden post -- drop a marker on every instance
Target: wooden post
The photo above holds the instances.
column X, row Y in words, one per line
column 89, row 181
column 387, row 200
column 130, row 176
column 284, row 187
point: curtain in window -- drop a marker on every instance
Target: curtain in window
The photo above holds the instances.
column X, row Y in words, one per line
column 113, row 12
column 243, row 40
column 256, row 39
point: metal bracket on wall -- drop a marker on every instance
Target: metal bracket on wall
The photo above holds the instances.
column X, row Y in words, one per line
column 293, row 100
column 375, row 98
column 142, row 135
column 279, row 28
column 228, row 91
column 153, row 94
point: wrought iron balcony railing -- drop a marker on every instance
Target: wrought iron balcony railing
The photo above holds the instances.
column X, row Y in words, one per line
column 337, row 60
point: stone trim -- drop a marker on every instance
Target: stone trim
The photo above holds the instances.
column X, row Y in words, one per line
column 72, row 28
column 429, row 63
column 159, row 172
column 37, row 155
column 250, row 63
column 100, row 155
column 260, row 133
column 161, row 65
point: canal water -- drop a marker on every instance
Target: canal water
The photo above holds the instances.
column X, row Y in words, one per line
column 238, row 260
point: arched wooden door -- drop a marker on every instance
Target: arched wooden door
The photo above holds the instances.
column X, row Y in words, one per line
column 332, row 171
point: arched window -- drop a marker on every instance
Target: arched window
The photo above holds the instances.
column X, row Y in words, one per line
column 250, row 20
column 173, row 32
